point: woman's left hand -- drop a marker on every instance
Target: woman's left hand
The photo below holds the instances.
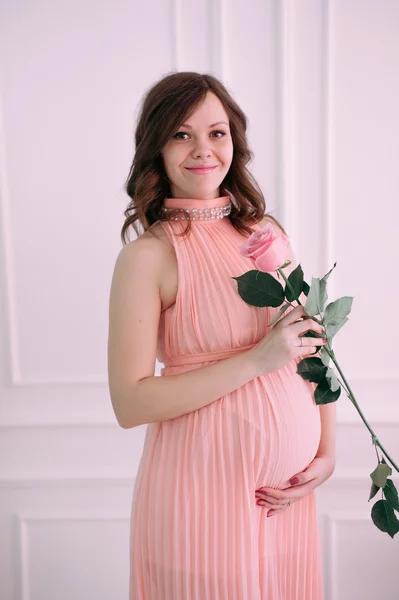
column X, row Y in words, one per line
column 320, row 469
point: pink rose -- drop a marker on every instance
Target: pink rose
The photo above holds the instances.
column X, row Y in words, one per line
column 267, row 250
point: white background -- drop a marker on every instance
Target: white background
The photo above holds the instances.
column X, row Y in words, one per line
column 319, row 82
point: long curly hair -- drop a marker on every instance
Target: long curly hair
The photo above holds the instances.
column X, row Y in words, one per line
column 164, row 107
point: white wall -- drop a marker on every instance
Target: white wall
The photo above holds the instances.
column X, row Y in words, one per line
column 319, row 82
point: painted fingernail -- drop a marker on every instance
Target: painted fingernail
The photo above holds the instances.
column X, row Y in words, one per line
column 294, row 480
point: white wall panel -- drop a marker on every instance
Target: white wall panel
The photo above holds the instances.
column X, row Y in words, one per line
column 69, row 92
column 91, row 545
column 353, row 575
column 72, row 533
column 251, row 75
column 362, row 185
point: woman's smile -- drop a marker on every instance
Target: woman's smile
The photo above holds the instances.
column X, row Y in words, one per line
column 201, row 170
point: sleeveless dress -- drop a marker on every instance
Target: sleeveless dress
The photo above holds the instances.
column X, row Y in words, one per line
column 196, row 530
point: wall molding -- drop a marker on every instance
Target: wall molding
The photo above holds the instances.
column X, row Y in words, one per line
column 9, row 337
column 217, row 38
column 355, row 478
column 103, row 381
column 23, row 522
column 70, row 482
column 286, row 99
column 332, row 518
column 86, row 405
column 328, row 140
column 175, row 35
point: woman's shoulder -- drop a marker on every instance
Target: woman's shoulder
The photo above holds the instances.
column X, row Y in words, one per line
column 153, row 237
column 150, row 247
column 156, row 230
column 156, row 243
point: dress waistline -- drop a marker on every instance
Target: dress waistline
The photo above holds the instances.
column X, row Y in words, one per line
column 192, row 359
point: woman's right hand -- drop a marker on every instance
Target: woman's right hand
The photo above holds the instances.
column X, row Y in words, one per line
column 282, row 343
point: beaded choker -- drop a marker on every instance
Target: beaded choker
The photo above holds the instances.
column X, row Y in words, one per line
column 198, row 210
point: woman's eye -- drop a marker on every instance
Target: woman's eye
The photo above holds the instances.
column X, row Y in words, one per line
column 180, row 133
column 222, row 132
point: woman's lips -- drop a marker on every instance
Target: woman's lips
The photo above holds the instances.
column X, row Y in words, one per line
column 201, row 171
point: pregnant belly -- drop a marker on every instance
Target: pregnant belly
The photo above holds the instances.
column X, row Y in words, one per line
column 269, row 428
column 288, row 432
column 261, row 434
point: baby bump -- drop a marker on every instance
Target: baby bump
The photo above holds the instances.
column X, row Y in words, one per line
column 289, row 436
column 261, row 434
column 270, row 428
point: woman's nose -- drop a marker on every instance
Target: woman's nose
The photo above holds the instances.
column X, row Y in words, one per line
column 201, row 149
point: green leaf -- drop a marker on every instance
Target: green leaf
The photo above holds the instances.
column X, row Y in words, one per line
column 380, row 474
column 339, row 308
column 317, row 297
column 278, row 315
column 391, row 494
column 325, row 359
column 311, row 369
column 295, row 278
column 305, row 288
column 374, row 489
column 384, row 518
column 332, row 380
column 335, row 315
column 333, row 328
column 324, row 395
column 327, row 275
column 260, row 289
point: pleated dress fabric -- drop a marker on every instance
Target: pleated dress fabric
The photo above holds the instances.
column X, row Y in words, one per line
column 196, row 530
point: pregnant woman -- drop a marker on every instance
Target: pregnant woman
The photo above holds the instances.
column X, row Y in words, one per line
column 223, row 504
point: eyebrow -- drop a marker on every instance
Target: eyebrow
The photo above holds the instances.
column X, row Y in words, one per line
column 213, row 124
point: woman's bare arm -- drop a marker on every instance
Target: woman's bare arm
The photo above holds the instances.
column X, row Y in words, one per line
column 328, row 431
column 137, row 396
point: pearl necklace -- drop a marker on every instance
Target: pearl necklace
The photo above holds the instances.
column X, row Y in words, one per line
column 199, row 214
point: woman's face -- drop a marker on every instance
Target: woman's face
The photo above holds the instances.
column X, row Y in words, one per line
column 202, row 140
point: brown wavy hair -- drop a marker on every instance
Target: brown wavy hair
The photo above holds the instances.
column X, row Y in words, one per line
column 164, row 107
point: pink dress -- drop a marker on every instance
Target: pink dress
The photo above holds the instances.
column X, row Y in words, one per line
column 196, row 530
